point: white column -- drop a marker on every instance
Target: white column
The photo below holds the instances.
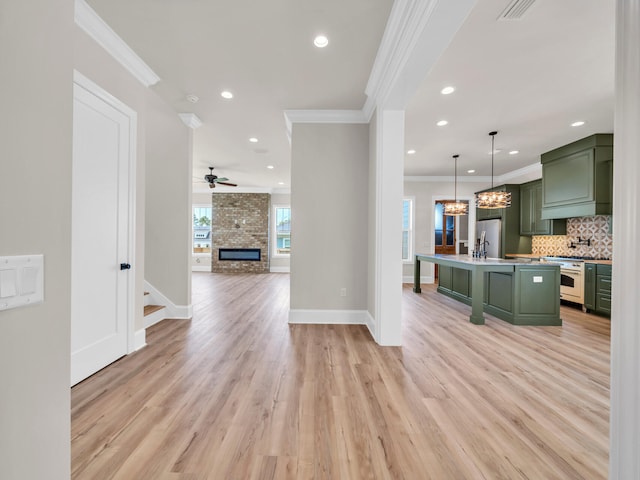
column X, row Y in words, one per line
column 625, row 309
column 388, row 219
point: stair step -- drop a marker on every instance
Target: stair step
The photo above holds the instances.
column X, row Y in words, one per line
column 149, row 309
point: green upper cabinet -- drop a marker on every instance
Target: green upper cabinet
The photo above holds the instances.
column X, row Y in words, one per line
column 577, row 179
column 531, row 222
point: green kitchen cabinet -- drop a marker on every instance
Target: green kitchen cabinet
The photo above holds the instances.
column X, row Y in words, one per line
column 456, row 281
column 531, row 222
column 597, row 288
column 511, row 239
column 528, row 295
column 589, row 286
column 603, row 290
column 577, row 179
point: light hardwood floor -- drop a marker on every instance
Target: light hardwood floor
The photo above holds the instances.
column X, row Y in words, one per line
column 237, row 393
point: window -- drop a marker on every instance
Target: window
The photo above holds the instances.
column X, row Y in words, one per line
column 407, row 229
column 202, row 229
column 282, row 227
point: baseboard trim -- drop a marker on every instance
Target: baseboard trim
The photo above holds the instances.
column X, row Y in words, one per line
column 180, row 312
column 279, row 269
column 329, row 317
column 201, row 268
column 155, row 317
column 409, row 279
column 371, row 325
column 139, row 340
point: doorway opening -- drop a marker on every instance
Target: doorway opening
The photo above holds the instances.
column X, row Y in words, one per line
column 450, row 232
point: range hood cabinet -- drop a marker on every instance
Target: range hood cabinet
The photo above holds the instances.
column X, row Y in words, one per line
column 577, row 179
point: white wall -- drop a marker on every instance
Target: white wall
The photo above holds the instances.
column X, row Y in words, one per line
column 371, row 216
column 168, row 213
column 163, row 178
column 36, row 78
column 329, row 178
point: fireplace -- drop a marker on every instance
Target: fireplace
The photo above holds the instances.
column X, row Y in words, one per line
column 239, row 254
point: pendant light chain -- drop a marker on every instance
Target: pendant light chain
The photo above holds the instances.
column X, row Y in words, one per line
column 456, row 208
column 493, row 149
column 455, row 178
column 491, row 198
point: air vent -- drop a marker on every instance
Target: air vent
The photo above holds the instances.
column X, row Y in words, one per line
column 516, row 9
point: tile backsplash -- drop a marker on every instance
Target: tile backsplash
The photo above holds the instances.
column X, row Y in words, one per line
column 595, row 228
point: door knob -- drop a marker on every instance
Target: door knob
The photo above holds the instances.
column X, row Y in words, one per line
column 125, row 266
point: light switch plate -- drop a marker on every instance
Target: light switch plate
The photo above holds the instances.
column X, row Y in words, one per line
column 8, row 282
column 21, row 281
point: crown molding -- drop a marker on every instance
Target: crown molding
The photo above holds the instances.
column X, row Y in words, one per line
column 531, row 172
column 191, row 120
column 89, row 21
column 323, row 116
column 445, row 178
column 405, row 25
column 524, row 174
column 221, row 189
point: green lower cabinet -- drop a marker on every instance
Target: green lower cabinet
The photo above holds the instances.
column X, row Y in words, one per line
column 597, row 289
column 455, row 282
column 444, row 277
column 528, row 296
column 589, row 286
column 461, row 280
column 499, row 291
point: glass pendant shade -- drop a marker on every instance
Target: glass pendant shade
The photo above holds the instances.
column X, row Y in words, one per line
column 456, row 208
column 493, row 199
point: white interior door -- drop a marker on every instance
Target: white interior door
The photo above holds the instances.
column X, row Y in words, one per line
column 100, row 289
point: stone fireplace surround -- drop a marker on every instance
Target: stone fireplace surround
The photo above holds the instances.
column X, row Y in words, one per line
column 240, row 221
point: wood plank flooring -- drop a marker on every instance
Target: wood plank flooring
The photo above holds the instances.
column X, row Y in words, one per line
column 237, row 393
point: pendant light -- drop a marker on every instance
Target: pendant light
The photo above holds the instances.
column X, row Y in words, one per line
column 456, row 208
column 499, row 199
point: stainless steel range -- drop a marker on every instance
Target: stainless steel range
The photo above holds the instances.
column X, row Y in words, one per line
column 571, row 277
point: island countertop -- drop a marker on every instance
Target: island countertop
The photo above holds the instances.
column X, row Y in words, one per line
column 531, row 294
column 467, row 260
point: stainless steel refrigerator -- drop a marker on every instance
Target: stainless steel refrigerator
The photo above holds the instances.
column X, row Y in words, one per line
column 491, row 232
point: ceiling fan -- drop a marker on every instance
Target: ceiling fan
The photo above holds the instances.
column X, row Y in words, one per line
column 212, row 179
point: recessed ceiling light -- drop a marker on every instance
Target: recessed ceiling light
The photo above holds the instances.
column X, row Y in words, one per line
column 280, row 183
column 471, row 171
column 270, row 167
column 226, row 94
column 442, row 123
column 514, row 152
column 253, row 140
column 411, row 152
column 192, row 98
column 321, row 41
column 495, row 151
column 447, row 90
column 577, row 124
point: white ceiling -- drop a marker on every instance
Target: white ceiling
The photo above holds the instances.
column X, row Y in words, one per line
column 528, row 78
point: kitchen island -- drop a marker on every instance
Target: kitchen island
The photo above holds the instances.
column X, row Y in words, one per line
column 519, row 291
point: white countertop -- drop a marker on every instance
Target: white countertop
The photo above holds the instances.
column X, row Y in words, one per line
column 466, row 259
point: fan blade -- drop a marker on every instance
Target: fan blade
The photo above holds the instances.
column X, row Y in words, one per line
column 227, row 183
column 221, row 179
